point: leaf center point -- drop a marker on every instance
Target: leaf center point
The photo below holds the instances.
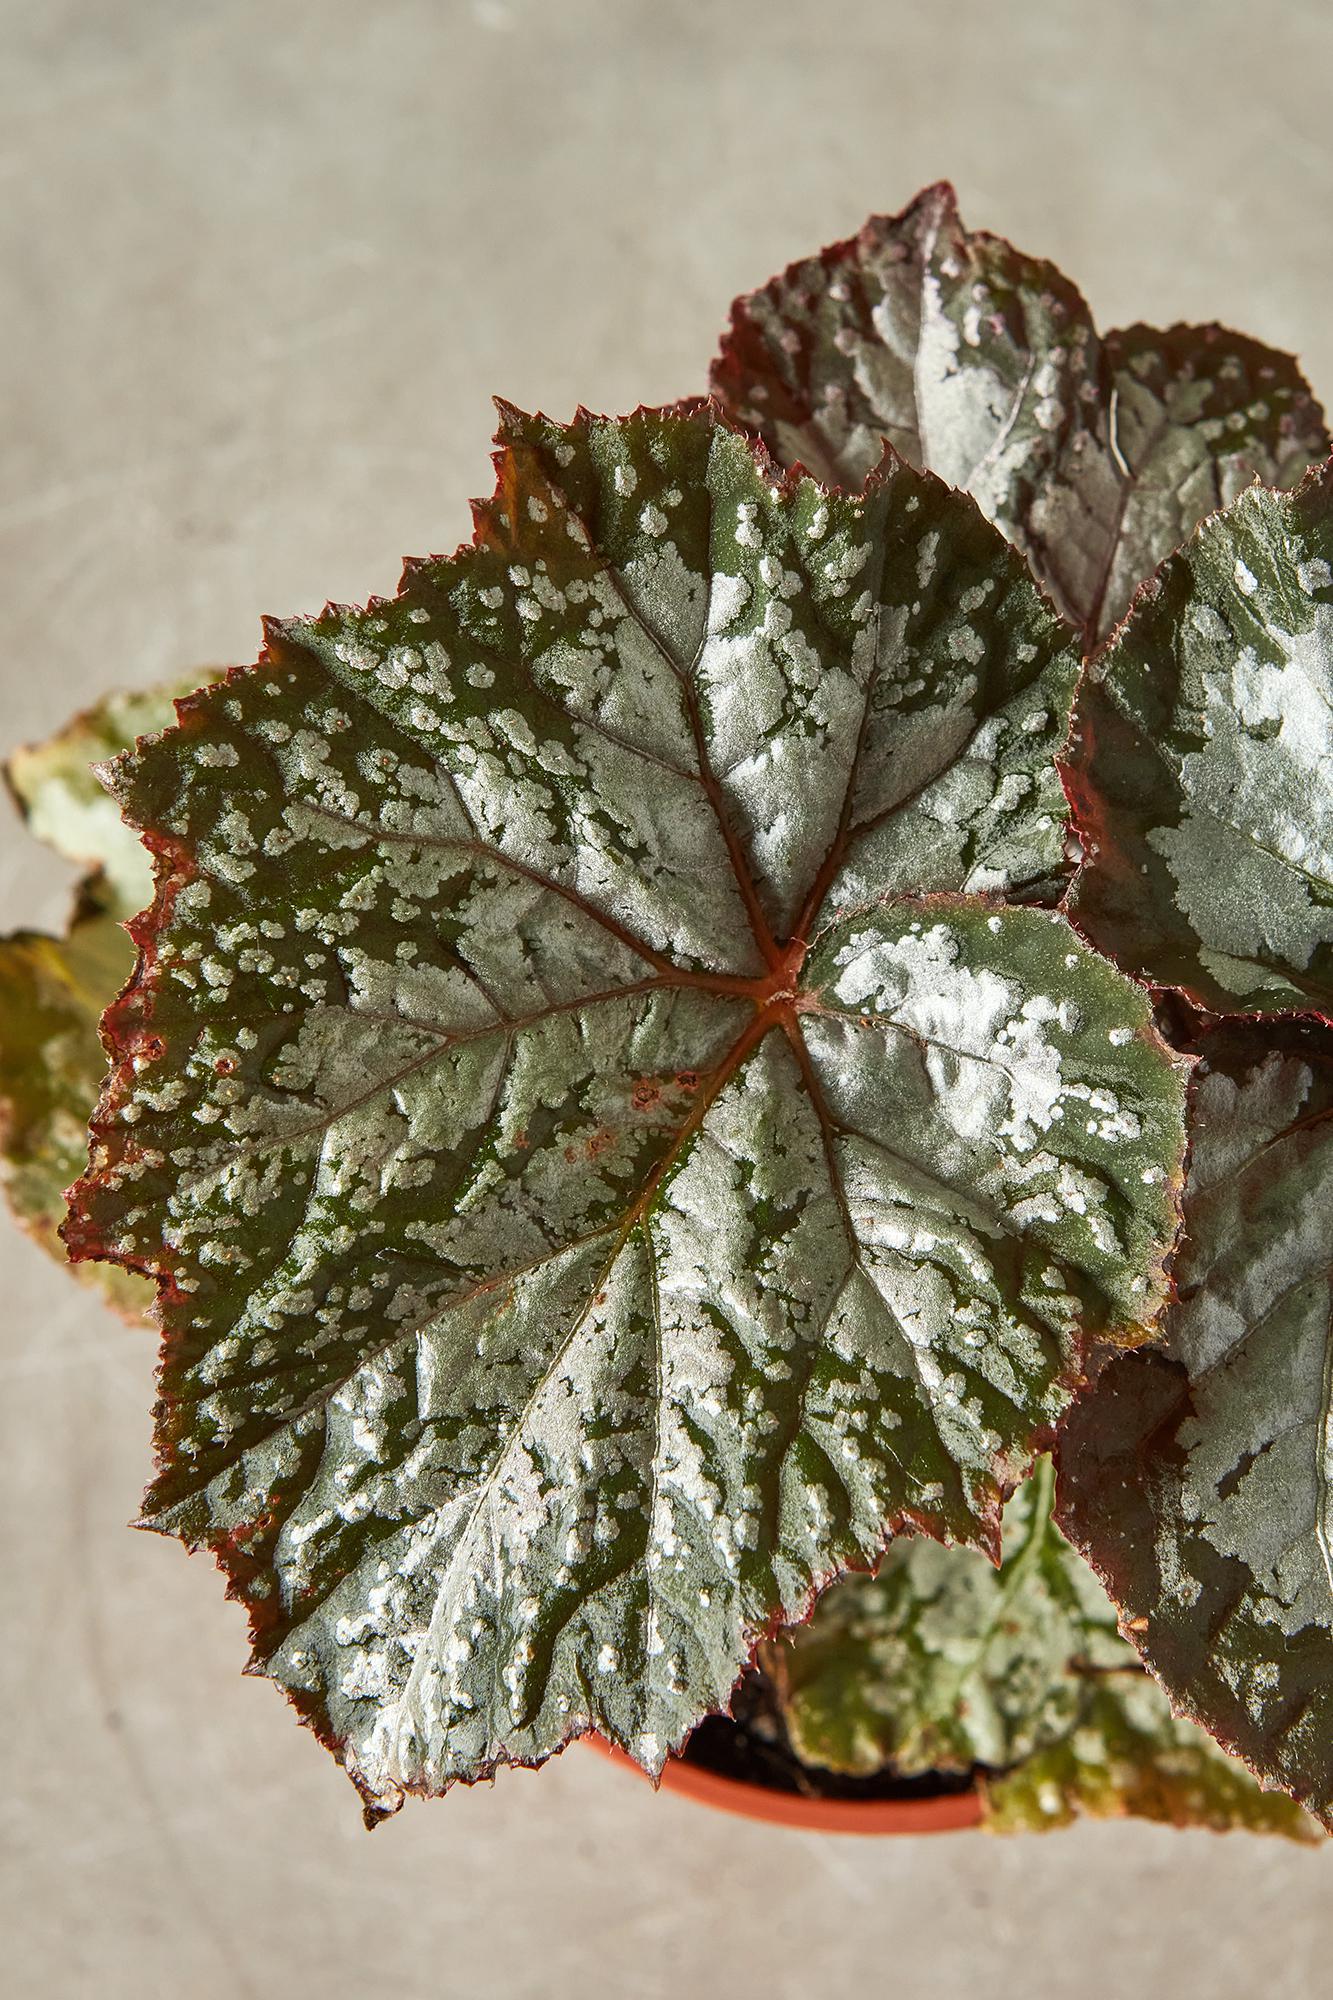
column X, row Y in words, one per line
column 780, row 991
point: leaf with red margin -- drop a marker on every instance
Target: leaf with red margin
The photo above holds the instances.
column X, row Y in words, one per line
column 1197, row 1479
column 597, row 1197
column 1096, row 455
column 1201, row 765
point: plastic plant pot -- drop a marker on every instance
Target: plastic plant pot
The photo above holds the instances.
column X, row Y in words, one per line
column 949, row 1812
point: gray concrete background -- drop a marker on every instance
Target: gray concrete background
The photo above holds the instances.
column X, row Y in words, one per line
column 262, row 265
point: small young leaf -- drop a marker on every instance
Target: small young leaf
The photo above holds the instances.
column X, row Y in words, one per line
column 1197, row 1480
column 1096, row 456
column 940, row 1662
column 53, row 990
column 595, row 1199
column 1202, row 763
column 1129, row 1755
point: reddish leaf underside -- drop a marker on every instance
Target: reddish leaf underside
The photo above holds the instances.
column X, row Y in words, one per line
column 1095, row 454
column 1197, row 1479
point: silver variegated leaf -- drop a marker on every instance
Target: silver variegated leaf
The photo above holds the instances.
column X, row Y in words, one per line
column 595, row 1196
column 1130, row 1755
column 940, row 1662
column 1198, row 1479
column 1096, row 455
column 1202, row 765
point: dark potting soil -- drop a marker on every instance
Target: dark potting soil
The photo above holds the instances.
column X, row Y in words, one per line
column 751, row 1747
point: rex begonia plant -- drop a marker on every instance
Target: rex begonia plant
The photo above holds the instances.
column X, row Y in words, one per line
column 780, row 990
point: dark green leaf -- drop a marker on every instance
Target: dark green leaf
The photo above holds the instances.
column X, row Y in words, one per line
column 596, row 1200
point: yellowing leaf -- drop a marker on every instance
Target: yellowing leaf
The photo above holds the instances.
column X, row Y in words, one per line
column 53, row 990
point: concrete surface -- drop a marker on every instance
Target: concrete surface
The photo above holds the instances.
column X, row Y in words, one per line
column 263, row 263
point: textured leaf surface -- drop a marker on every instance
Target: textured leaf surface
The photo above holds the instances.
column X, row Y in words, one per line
column 598, row 1201
column 940, row 1662
column 1202, row 764
column 1197, row 1480
column 53, row 990
column 1095, row 455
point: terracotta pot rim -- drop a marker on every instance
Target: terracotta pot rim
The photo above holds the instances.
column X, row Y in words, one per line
column 949, row 1812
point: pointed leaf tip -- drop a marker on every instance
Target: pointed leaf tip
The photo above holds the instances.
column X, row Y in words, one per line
column 1095, row 455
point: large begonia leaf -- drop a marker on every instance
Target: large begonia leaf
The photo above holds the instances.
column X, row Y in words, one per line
column 940, row 1662
column 1095, row 454
column 1202, row 764
column 595, row 1197
column 1198, row 1479
column 53, row 990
